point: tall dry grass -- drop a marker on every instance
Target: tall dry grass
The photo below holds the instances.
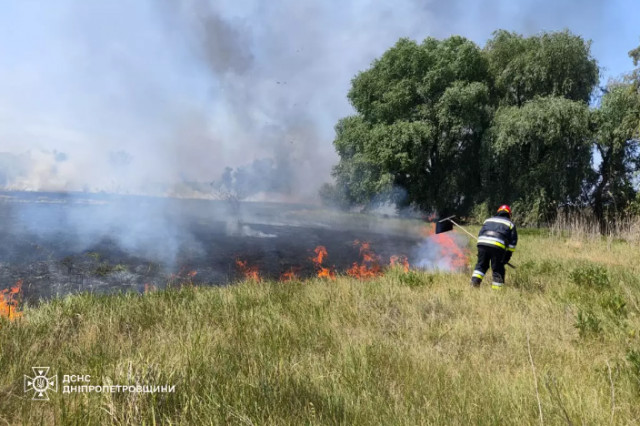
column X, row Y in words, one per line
column 584, row 225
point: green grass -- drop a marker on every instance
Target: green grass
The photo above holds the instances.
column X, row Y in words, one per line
column 413, row 348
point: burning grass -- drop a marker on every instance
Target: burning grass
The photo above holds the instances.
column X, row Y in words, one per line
column 250, row 272
column 400, row 348
column 402, row 261
column 370, row 266
column 318, row 259
column 289, row 275
column 55, row 259
column 9, row 302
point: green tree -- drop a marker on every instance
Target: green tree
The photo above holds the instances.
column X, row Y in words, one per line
column 635, row 75
column 617, row 144
column 635, row 57
column 542, row 154
column 540, row 137
column 551, row 64
column 422, row 111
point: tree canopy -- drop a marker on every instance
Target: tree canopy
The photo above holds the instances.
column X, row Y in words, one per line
column 618, row 147
column 445, row 125
column 422, row 112
column 552, row 64
column 542, row 150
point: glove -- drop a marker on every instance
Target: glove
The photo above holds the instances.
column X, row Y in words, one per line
column 507, row 257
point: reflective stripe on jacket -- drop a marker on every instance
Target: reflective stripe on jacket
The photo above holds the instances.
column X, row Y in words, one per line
column 500, row 232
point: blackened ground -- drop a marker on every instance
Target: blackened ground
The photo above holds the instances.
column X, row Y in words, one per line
column 65, row 243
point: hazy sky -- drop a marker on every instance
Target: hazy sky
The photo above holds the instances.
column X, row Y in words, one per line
column 123, row 95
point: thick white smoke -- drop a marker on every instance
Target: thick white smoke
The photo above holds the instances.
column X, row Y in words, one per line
column 159, row 97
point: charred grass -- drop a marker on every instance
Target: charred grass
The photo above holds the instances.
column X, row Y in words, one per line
column 406, row 348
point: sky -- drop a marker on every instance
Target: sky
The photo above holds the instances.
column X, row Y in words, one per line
column 150, row 96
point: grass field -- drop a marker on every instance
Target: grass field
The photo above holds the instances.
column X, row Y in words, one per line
column 560, row 344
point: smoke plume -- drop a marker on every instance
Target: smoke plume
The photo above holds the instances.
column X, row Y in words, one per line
column 151, row 97
column 184, row 98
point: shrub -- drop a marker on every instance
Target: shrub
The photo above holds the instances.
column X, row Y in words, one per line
column 533, row 210
column 633, row 356
column 532, row 276
column 615, row 304
column 103, row 270
column 94, row 255
column 415, row 279
column 523, row 276
column 480, row 212
column 591, row 276
column 120, row 268
column 549, row 267
column 587, row 324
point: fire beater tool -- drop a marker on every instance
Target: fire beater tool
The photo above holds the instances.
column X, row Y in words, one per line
column 446, row 225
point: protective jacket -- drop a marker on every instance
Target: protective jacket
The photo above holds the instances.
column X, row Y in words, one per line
column 496, row 243
column 498, row 231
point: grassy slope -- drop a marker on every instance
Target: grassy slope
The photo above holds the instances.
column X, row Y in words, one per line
column 403, row 349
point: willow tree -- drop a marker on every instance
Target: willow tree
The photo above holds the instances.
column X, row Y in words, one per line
column 541, row 137
column 543, row 155
column 550, row 64
column 618, row 148
column 422, row 110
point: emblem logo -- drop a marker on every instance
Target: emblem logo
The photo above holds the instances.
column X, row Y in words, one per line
column 40, row 383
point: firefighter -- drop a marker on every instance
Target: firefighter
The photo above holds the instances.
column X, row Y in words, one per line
column 496, row 243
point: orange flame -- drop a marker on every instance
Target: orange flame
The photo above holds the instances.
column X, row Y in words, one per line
column 370, row 266
column 401, row 260
column 321, row 253
column 148, row 288
column 250, row 272
column 454, row 257
column 457, row 257
column 290, row 275
column 181, row 279
column 9, row 302
column 326, row 273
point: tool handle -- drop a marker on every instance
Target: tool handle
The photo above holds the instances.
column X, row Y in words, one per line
column 472, row 236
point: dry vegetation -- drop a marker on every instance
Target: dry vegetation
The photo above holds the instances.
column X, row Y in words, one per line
column 559, row 345
column 586, row 226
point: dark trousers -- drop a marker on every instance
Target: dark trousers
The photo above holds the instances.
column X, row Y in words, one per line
column 493, row 256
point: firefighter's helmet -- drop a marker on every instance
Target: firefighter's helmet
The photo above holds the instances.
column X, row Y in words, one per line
column 504, row 209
